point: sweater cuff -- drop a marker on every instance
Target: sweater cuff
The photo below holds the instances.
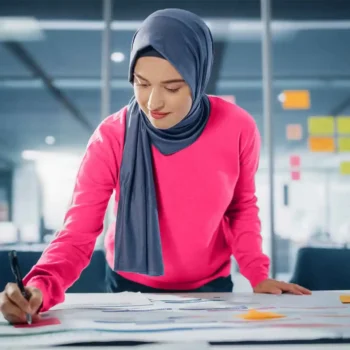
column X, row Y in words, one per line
column 257, row 278
column 39, row 284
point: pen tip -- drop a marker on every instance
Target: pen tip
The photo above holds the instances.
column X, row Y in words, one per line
column 29, row 319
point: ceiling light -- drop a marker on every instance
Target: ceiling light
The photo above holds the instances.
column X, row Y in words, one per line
column 50, row 140
column 117, row 57
column 20, row 29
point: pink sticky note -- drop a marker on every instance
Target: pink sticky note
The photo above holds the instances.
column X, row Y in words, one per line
column 294, row 161
column 40, row 323
column 295, row 175
column 294, row 132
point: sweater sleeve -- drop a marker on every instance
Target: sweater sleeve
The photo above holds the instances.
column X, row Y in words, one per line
column 70, row 251
column 243, row 212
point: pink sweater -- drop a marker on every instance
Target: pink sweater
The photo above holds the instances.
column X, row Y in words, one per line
column 206, row 203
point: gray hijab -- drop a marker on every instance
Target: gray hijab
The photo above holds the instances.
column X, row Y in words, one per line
column 185, row 41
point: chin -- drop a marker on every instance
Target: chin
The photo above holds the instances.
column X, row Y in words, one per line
column 160, row 124
column 164, row 123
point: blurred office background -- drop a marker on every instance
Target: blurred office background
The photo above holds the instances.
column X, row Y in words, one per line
column 51, row 85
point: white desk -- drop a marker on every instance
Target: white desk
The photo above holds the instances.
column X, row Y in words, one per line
column 210, row 347
column 106, row 318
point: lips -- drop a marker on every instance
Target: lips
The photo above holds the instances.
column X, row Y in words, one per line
column 158, row 115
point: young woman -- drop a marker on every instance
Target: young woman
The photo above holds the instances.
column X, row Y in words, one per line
column 182, row 165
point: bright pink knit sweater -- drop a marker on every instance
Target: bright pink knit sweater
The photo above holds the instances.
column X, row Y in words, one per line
column 206, row 205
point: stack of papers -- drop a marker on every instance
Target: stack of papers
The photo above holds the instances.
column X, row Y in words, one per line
column 190, row 318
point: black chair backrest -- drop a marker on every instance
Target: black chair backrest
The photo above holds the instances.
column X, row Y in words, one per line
column 323, row 268
column 92, row 279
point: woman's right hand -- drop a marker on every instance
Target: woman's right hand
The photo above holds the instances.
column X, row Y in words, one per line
column 14, row 306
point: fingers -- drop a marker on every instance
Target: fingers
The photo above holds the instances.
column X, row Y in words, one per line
column 275, row 290
column 14, row 306
column 11, row 311
column 14, row 294
column 290, row 288
column 277, row 287
column 304, row 290
column 35, row 300
column 294, row 288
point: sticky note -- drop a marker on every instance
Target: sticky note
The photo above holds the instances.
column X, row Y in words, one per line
column 40, row 323
column 260, row 315
column 318, row 126
column 345, row 299
column 343, row 125
column 344, row 144
column 295, row 99
column 294, row 161
column 295, row 175
column 294, row 132
column 321, row 144
column 345, row 168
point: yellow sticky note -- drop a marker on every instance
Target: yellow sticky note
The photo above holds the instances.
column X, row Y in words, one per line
column 344, row 144
column 321, row 144
column 345, row 299
column 295, row 99
column 343, row 125
column 260, row 315
column 321, row 126
column 345, row 168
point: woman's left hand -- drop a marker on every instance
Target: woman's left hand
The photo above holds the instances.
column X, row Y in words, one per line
column 270, row 286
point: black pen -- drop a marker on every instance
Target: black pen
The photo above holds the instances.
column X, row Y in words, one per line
column 17, row 273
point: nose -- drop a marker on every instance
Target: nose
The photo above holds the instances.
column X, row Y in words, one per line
column 155, row 100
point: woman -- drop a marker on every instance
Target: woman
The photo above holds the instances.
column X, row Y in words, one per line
column 182, row 165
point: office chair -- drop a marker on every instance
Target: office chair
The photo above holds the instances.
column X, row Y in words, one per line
column 323, row 268
column 92, row 279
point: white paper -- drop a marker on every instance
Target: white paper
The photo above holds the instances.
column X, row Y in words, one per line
column 317, row 299
column 73, row 336
column 158, row 318
column 162, row 346
column 101, row 300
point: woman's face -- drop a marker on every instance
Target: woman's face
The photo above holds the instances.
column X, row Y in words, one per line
column 161, row 92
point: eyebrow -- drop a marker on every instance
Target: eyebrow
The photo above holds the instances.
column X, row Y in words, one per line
column 163, row 82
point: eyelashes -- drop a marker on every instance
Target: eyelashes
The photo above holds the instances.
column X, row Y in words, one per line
column 172, row 90
column 143, row 85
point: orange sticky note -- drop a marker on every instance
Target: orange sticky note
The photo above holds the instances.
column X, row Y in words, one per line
column 295, row 99
column 260, row 315
column 345, row 299
column 321, row 144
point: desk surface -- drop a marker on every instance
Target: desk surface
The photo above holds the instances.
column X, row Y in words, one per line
column 116, row 318
column 213, row 347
